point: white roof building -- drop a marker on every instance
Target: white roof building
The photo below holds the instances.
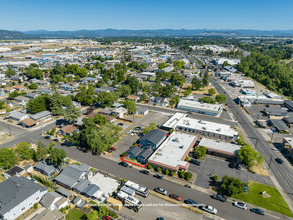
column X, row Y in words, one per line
column 173, row 151
column 180, row 121
column 200, row 107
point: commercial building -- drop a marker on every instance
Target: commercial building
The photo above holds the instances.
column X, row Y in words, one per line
column 287, row 144
column 173, row 151
column 248, row 92
column 219, row 148
column 199, row 107
column 180, row 122
column 259, row 100
column 243, row 83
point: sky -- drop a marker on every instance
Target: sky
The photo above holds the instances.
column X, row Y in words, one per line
column 71, row 15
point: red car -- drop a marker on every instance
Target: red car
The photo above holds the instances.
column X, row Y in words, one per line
column 173, row 196
column 112, row 148
column 107, row 218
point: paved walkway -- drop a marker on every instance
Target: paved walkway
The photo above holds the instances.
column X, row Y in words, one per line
column 35, row 213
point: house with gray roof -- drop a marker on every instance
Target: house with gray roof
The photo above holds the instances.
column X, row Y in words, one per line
column 81, row 185
column 14, row 171
column 133, row 152
column 17, row 195
column 72, row 174
column 49, row 200
column 105, row 89
column 152, row 139
column 90, row 190
column 161, row 101
column 31, row 95
column 41, row 115
column 17, row 116
column 50, row 215
column 144, row 155
column 46, row 168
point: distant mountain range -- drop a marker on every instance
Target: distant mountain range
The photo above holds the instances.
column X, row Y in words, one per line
column 9, row 35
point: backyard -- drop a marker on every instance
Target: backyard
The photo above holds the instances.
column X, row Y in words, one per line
column 75, row 214
column 271, row 200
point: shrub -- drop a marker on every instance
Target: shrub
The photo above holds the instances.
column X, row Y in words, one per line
column 113, row 214
column 181, row 174
column 200, row 151
column 123, row 154
column 167, row 171
column 150, row 166
column 186, row 158
column 35, row 205
column 188, row 176
column 63, row 210
column 216, row 177
column 170, row 131
column 159, row 169
column 172, row 173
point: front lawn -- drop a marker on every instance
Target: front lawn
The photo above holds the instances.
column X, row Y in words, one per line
column 272, row 201
column 75, row 214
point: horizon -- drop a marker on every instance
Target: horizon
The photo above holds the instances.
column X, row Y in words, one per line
column 134, row 15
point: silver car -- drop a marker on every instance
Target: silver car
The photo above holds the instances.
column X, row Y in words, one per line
column 209, row 209
column 161, row 191
column 240, row 205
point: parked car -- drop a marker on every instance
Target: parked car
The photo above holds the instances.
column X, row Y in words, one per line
column 209, row 209
column 120, row 124
column 160, row 218
column 113, row 148
column 245, row 188
column 195, row 162
column 232, row 165
column 279, row 160
column 161, row 191
column 138, row 128
column 238, row 166
column 47, row 137
column 191, row 202
column 122, row 163
column 174, row 196
column 257, row 211
column 107, row 218
column 144, row 172
column 159, row 176
column 220, row 197
column 240, row 205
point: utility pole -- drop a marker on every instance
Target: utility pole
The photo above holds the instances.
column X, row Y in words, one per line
column 9, row 129
column 256, row 143
column 272, row 136
column 257, row 116
column 270, row 161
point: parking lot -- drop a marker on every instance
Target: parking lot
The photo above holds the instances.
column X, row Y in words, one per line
column 214, row 165
column 258, row 111
column 154, row 207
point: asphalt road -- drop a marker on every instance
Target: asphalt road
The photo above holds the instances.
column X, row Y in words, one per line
column 282, row 173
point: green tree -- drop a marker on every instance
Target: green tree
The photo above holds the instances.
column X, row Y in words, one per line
column 225, row 64
column 66, row 100
column 50, row 147
column 130, row 106
column 56, row 102
column 200, row 151
column 103, row 210
column 221, row 98
column 216, row 177
column 24, row 151
column 152, row 126
column 205, row 79
column 162, row 65
column 208, row 99
column 196, row 83
column 93, row 215
column 175, row 99
column 86, row 96
column 187, row 91
column 74, row 138
column 166, row 91
column 41, row 152
column 248, row 156
column 187, row 176
column 125, row 90
column 133, row 83
column 38, row 104
column 77, row 78
column 100, row 119
column 71, row 113
column 167, row 171
column 7, row 158
column 13, row 95
column 212, row 91
column 57, row 156
column 107, row 99
column 9, row 72
column 33, row 86
column 232, row 185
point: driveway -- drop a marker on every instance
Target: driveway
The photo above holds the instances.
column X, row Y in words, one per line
column 213, row 165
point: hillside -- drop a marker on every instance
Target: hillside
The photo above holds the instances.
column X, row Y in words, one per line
column 13, row 35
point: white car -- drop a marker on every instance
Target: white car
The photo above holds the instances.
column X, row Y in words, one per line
column 209, row 209
column 240, row 205
column 161, row 191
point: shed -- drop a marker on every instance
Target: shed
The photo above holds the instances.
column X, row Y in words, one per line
column 77, row 200
column 14, row 171
column 65, row 193
column 29, row 168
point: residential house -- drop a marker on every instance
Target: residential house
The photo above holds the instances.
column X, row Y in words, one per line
column 81, row 185
column 133, row 152
column 17, row 195
column 44, row 91
column 133, row 98
column 43, row 83
column 49, row 215
column 67, row 130
column 105, row 89
column 28, row 123
column 109, row 118
column 74, row 84
column 41, row 116
column 15, row 78
column 161, row 101
column 152, row 139
column 144, row 155
column 20, row 88
column 9, row 89
column 89, row 80
column 72, row 174
column 53, row 200
column 14, row 171
column 120, row 112
column 21, row 100
column 46, row 168
column 67, row 87
column 2, row 93
column 17, row 116
column 142, row 111
column 31, row 95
